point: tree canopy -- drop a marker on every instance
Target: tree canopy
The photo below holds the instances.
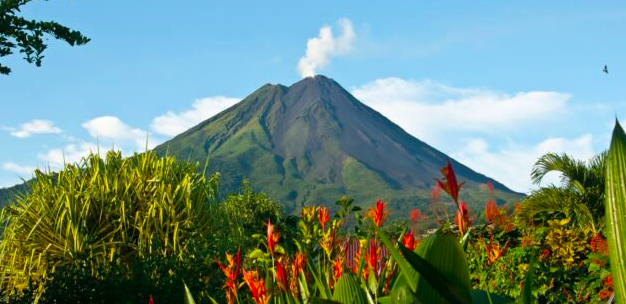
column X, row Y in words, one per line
column 27, row 36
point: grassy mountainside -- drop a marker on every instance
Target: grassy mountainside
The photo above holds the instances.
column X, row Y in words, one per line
column 313, row 142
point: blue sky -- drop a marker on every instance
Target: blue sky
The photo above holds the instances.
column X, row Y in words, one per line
column 494, row 84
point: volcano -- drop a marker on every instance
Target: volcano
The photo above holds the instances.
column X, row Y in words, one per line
column 313, row 142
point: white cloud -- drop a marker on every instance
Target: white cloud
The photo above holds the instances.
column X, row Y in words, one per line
column 24, row 171
column 172, row 123
column 428, row 109
column 511, row 165
column 115, row 130
column 36, row 126
column 319, row 50
column 58, row 157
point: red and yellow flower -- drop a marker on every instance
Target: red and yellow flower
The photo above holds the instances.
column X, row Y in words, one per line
column 449, row 183
column 409, row 241
column 494, row 252
column 323, row 216
column 378, row 213
column 462, row 218
column 272, row 237
column 281, row 275
column 256, row 286
column 231, row 271
column 337, row 268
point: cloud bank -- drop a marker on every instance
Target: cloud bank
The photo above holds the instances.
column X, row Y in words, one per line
column 171, row 123
column 115, row 130
column 320, row 49
column 457, row 121
column 36, row 126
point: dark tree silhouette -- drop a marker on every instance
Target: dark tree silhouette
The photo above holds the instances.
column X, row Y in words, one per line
column 27, row 36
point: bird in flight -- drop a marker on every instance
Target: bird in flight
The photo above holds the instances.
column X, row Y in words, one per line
column 606, row 69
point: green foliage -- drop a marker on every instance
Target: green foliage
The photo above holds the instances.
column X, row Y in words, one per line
column 581, row 194
column 616, row 210
column 127, row 282
column 245, row 214
column 555, row 280
column 105, row 209
column 348, row 291
column 28, row 35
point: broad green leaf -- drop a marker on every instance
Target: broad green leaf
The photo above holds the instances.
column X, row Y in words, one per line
column 480, row 297
column 348, row 290
column 401, row 293
column 188, row 296
column 443, row 269
column 444, row 274
column 616, row 210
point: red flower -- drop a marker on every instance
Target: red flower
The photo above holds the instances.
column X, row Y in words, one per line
column 281, row 275
column 232, row 273
column 322, row 216
column 409, row 241
column 608, row 281
column 599, row 244
column 257, row 287
column 378, row 214
column 272, row 237
column 449, row 183
column 338, row 268
column 545, row 253
column 151, row 301
column 415, row 216
column 462, row 218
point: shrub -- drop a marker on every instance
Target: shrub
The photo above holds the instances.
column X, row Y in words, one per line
column 103, row 210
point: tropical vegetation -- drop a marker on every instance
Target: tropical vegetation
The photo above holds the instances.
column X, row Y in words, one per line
column 151, row 229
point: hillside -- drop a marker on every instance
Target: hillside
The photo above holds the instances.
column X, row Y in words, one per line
column 313, row 142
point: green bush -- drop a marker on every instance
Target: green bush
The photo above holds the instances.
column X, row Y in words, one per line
column 105, row 210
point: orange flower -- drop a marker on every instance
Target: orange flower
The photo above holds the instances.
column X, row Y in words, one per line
column 322, row 216
column 338, row 267
column 494, row 252
column 298, row 263
column 257, row 287
column 450, row 184
column 409, row 241
column 378, row 213
column 232, row 273
column 492, row 213
column 272, row 237
column 462, row 218
column 281, row 275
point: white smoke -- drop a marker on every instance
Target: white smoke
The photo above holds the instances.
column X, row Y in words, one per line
column 320, row 49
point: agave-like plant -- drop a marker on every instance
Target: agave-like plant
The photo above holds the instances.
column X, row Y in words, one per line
column 105, row 209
